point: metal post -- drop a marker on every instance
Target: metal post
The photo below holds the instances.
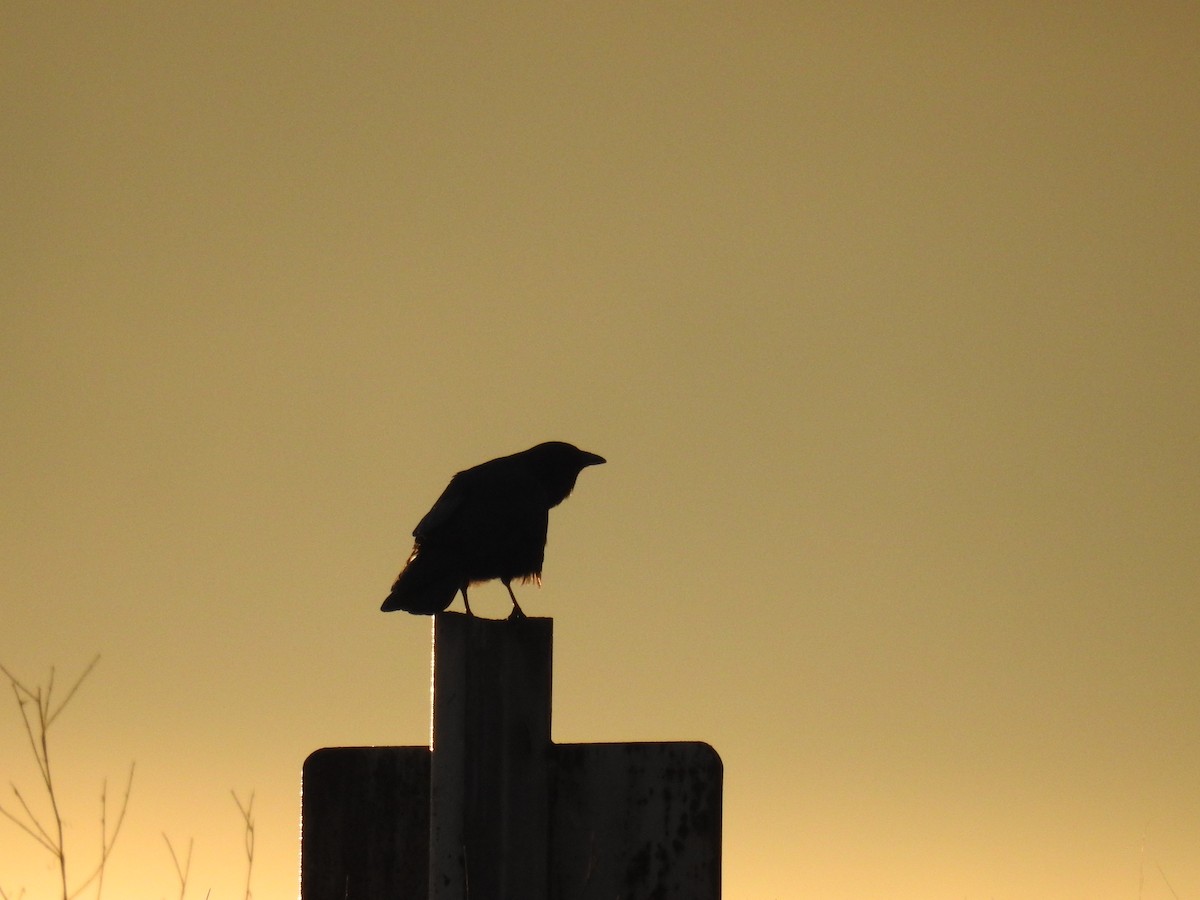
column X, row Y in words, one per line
column 490, row 773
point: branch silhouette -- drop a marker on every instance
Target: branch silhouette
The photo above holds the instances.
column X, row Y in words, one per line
column 247, row 811
column 47, row 831
column 181, row 871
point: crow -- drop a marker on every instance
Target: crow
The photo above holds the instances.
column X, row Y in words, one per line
column 490, row 522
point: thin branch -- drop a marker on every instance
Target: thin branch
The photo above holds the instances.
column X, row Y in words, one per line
column 103, row 835
column 1164, row 878
column 181, row 872
column 40, row 835
column 39, row 743
column 106, row 841
column 247, row 812
column 50, row 686
column 16, row 683
column 38, row 748
column 45, row 762
column 33, row 744
column 4, row 812
column 71, row 692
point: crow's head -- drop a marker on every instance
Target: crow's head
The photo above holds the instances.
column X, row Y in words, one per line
column 557, row 464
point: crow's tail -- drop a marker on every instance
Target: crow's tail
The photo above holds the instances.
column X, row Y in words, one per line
column 423, row 587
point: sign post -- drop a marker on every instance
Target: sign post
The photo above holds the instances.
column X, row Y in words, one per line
column 495, row 810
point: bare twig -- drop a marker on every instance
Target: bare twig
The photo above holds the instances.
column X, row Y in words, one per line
column 71, row 692
column 181, row 871
column 1142, row 862
column 43, row 725
column 40, row 834
column 49, row 835
column 107, row 841
column 247, row 812
column 1164, row 878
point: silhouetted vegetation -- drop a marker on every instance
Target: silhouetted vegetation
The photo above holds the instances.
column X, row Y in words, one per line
column 39, row 711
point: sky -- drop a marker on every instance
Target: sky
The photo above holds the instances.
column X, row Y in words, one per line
column 884, row 315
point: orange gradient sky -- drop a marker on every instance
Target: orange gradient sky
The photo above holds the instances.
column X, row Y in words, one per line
column 886, row 317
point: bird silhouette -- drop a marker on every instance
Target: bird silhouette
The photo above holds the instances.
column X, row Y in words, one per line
column 490, row 522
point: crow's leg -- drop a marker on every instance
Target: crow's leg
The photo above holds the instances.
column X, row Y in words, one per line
column 466, row 602
column 517, row 612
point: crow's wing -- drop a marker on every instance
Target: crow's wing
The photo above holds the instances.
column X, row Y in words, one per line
column 491, row 518
column 444, row 508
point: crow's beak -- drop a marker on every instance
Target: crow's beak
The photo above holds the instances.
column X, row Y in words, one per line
column 591, row 459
